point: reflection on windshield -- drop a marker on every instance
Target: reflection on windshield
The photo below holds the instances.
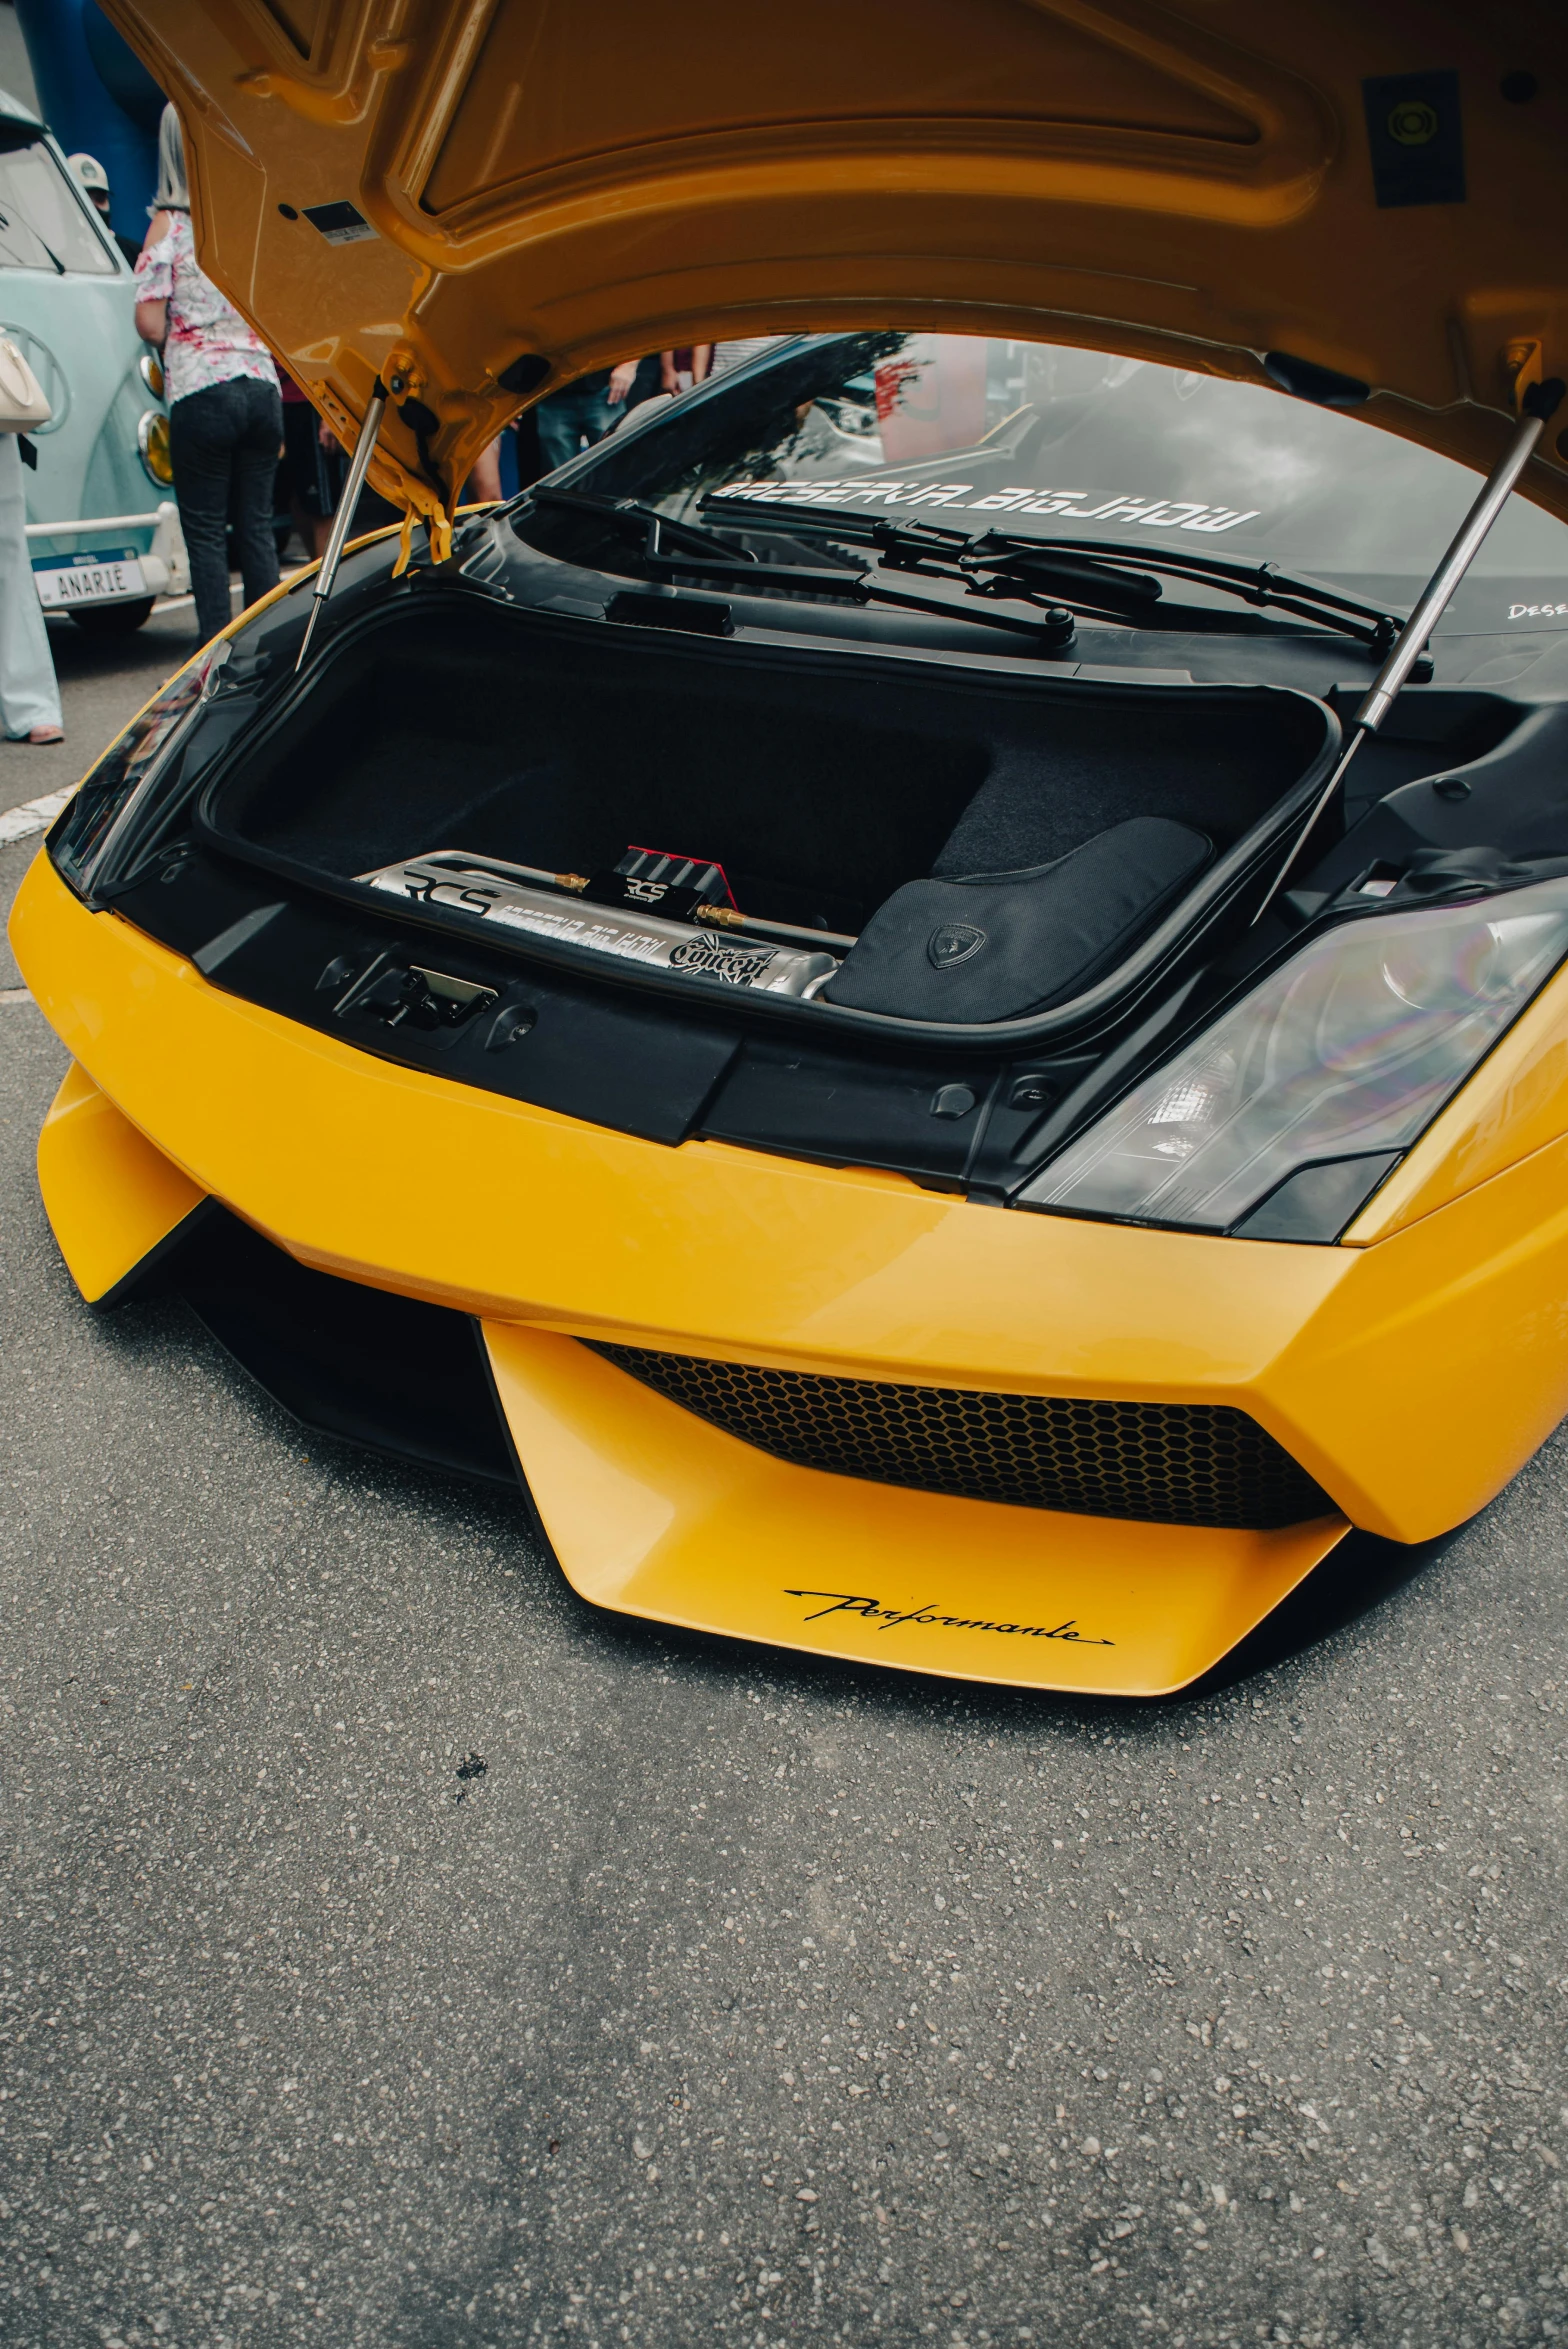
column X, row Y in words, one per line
column 882, row 493
column 1043, row 440
column 41, row 222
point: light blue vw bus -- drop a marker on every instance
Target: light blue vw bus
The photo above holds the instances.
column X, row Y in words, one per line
column 102, row 526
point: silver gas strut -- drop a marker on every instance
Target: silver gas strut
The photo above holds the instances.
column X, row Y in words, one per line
column 342, row 520
column 1537, row 408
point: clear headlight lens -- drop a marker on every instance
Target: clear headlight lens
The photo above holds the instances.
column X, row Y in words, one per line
column 1345, row 1051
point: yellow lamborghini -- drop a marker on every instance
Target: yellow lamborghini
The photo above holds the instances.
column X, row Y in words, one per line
column 928, row 993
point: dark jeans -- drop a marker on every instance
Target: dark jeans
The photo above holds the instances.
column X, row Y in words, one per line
column 314, row 475
column 575, row 419
column 224, row 445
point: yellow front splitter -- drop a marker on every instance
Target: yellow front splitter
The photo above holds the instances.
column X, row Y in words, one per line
column 653, row 1512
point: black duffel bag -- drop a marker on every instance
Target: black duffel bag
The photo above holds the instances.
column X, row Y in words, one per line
column 996, row 946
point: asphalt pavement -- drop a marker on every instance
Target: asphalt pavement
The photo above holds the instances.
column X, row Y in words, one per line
column 394, row 1951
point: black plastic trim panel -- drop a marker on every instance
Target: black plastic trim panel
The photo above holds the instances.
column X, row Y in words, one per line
column 1157, row 1463
column 390, row 1373
column 599, row 1054
column 608, row 1056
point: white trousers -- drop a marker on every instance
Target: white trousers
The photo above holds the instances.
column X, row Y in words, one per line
column 29, row 696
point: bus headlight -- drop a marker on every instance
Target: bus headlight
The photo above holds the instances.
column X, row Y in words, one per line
column 152, row 439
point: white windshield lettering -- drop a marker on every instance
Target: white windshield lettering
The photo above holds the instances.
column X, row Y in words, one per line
column 1220, row 520
column 1144, row 513
column 1172, row 515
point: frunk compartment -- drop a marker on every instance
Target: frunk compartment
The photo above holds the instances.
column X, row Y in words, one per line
column 820, row 783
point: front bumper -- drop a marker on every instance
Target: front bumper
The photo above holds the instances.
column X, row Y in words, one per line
column 155, row 540
column 1410, row 1379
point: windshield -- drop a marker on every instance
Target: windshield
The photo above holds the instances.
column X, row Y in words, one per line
column 1040, row 440
column 42, row 222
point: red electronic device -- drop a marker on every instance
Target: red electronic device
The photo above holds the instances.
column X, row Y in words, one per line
column 659, row 881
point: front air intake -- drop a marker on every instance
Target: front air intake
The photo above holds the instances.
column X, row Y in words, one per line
column 1165, row 1463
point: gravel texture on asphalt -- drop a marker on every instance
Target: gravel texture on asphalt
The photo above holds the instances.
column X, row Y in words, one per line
column 393, row 1951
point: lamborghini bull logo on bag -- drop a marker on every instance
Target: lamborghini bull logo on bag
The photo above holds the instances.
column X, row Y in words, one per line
column 952, row 943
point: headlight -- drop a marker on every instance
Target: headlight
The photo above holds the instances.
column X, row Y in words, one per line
column 1311, row 1086
column 105, row 801
column 152, row 438
column 150, row 368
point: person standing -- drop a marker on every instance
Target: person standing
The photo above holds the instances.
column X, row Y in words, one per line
column 723, row 358
column 313, row 469
column 574, row 419
column 225, row 411
column 29, row 694
column 100, row 195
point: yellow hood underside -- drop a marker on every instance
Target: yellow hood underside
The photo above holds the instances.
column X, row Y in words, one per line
column 510, row 192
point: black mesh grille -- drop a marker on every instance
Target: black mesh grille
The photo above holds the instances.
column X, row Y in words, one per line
column 1174, row 1463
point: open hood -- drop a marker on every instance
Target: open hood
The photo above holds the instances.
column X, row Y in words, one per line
column 488, row 197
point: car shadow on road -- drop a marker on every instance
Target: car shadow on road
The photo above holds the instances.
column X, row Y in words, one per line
column 1360, row 1575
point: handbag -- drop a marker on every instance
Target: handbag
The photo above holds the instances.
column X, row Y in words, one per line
column 23, row 407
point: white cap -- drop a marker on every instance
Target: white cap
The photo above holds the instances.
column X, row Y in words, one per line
column 90, row 172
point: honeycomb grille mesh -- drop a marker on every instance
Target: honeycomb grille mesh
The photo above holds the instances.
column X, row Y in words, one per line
column 1170, row 1463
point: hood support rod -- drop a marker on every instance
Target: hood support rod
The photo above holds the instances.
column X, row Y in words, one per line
column 342, row 520
column 1537, row 408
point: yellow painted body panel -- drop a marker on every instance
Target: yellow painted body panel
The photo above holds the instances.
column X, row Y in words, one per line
column 1412, row 1377
column 362, row 1167
column 1515, row 1104
column 653, row 1512
column 1432, row 1376
column 109, row 1195
column 544, row 184
column 1188, row 182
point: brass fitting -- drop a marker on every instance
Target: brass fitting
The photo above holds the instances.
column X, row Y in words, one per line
column 1522, row 364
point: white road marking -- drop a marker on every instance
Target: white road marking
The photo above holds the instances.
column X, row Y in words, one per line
column 15, row 995
column 34, row 815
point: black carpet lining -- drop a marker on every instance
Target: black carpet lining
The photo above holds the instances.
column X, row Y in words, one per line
column 820, row 793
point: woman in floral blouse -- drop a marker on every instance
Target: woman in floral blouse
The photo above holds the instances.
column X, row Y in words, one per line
column 225, row 413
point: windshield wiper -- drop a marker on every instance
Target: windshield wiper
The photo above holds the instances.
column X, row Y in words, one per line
column 1263, row 584
column 652, row 533
column 1100, row 578
column 660, row 542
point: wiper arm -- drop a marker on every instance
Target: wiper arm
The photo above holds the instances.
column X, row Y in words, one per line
column 644, row 527
column 657, row 538
column 1053, row 628
column 904, row 544
column 1255, row 583
column 927, row 551
column 955, row 554
column 1099, row 577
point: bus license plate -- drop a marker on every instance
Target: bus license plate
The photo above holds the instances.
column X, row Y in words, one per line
column 64, row 584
